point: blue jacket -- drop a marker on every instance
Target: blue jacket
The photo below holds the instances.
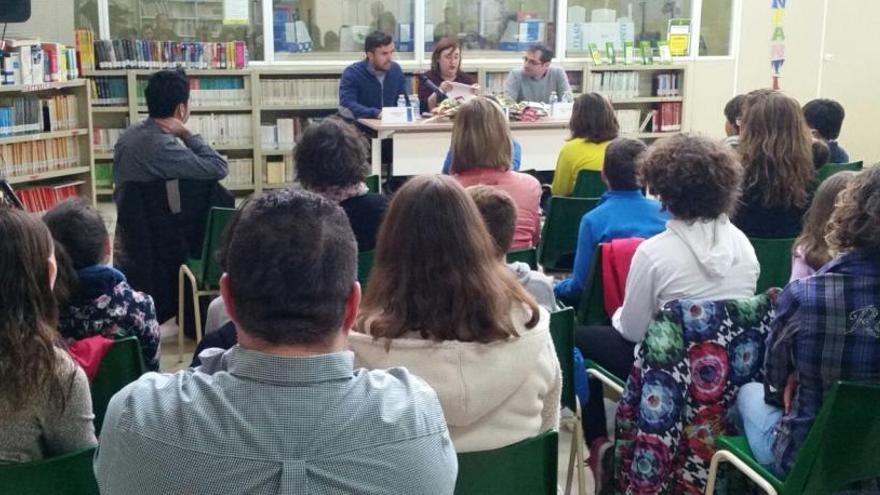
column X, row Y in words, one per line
column 836, row 153
column 364, row 96
column 619, row 215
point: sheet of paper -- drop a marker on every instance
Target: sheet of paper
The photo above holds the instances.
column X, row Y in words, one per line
column 235, row 12
column 461, row 92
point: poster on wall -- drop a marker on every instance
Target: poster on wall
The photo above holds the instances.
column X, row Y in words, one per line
column 679, row 37
column 235, row 12
column 777, row 41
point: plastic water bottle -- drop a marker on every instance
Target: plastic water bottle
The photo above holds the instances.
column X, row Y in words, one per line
column 567, row 97
column 401, row 101
column 414, row 103
column 554, row 98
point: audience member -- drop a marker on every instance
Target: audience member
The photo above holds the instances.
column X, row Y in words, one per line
column 732, row 116
column 825, row 330
column 536, row 80
column 445, row 70
column 701, row 255
column 622, row 212
column 499, row 214
column 593, row 125
column 810, row 251
column 778, row 160
column 285, row 408
column 374, row 82
column 100, row 302
column 825, row 118
column 821, row 153
column 440, row 304
column 481, row 146
column 44, row 396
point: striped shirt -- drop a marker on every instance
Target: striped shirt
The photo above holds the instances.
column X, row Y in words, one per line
column 248, row 422
column 827, row 328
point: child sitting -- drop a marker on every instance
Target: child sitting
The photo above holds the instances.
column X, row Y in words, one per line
column 825, row 118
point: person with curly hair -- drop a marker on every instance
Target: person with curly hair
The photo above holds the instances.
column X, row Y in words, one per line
column 827, row 328
column 701, row 255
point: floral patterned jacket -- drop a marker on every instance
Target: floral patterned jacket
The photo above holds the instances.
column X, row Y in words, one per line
column 682, row 389
column 104, row 304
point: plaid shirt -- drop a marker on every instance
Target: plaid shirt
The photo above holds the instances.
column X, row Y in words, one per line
column 827, row 328
column 248, row 422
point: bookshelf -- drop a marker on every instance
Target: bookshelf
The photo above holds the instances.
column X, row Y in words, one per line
column 48, row 166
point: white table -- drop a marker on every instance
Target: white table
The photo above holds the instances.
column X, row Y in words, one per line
column 420, row 148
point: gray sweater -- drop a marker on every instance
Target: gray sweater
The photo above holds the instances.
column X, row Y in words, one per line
column 144, row 154
column 521, row 87
column 44, row 430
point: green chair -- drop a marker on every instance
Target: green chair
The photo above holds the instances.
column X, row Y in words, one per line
column 68, row 474
column 527, row 468
column 104, row 174
column 559, row 237
column 122, row 364
column 843, row 447
column 373, row 183
column 606, row 377
column 774, row 258
column 203, row 273
column 562, row 330
column 829, row 169
column 528, row 256
column 591, row 306
column 589, row 184
column 365, row 264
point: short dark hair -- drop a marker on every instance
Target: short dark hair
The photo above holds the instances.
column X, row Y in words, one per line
column 826, row 116
column 821, row 153
column 291, row 259
column 546, row 52
column 733, row 110
column 78, row 227
column 593, row 119
column 375, row 40
column 695, row 177
column 165, row 90
column 499, row 214
column 620, row 163
column 332, row 153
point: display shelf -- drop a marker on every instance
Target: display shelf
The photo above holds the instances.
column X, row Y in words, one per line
column 110, row 109
column 54, row 174
column 41, row 136
column 32, row 88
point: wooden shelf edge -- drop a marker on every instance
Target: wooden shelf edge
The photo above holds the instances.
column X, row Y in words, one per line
column 67, row 172
column 42, row 136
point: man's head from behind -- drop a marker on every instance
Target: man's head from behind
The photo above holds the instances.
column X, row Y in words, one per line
column 379, row 48
column 291, row 262
column 499, row 214
column 620, row 170
column 825, row 117
column 167, row 95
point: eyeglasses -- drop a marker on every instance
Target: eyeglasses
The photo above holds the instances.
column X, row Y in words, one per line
column 533, row 62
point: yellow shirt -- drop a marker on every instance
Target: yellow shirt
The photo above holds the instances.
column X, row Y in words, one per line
column 577, row 154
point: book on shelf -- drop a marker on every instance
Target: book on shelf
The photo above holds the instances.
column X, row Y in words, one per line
column 283, row 134
column 628, row 120
column 151, row 54
column 104, row 174
column 616, row 85
column 667, row 84
column 222, row 129
column 208, row 91
column 300, row 91
column 241, row 172
column 32, row 114
column 85, row 49
column 35, row 157
column 104, row 139
column 667, row 117
column 43, row 198
column 109, row 91
column 279, row 170
column 32, row 62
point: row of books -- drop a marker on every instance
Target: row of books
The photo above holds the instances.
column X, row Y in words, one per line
column 667, row 84
column 36, row 157
column 666, row 117
column 109, row 91
column 241, row 172
column 222, row 129
column 279, row 170
column 43, row 198
column 30, row 62
column 281, row 135
column 616, row 85
column 208, row 91
column 104, row 139
column 300, row 91
column 30, row 114
column 150, row 54
column 629, row 120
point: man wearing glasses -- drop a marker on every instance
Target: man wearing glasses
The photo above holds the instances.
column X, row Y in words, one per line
column 536, row 80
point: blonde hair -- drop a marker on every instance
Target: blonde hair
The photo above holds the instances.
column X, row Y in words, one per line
column 480, row 137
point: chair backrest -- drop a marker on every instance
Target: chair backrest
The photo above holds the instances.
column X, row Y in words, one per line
column 68, row 474
column 122, row 364
column 843, row 445
column 559, row 239
column 218, row 218
column 365, row 264
column 589, row 184
column 528, row 256
column 528, row 467
column 373, row 183
column 562, row 331
column 774, row 257
column 591, row 307
column 829, row 169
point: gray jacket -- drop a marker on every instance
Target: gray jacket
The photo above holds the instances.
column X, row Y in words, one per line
column 536, row 283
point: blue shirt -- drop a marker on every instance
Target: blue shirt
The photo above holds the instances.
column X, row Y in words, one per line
column 827, row 328
column 619, row 215
column 836, row 153
column 364, row 95
column 249, row 422
column 516, row 159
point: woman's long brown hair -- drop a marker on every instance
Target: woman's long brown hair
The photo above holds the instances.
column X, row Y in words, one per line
column 777, row 152
column 811, row 243
column 28, row 313
column 436, row 271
